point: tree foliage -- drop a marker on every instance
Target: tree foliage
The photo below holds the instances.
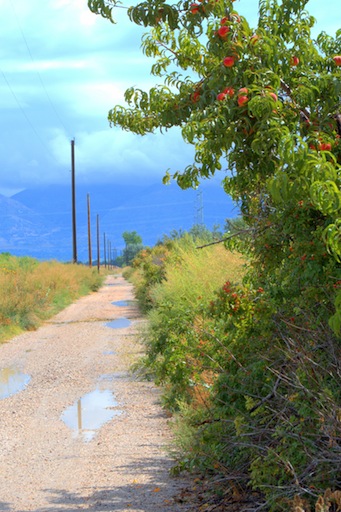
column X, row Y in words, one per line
column 133, row 245
column 261, row 104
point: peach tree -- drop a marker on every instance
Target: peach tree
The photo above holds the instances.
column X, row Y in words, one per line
column 262, row 106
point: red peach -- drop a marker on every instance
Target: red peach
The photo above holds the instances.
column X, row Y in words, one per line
column 194, row 8
column 294, row 61
column 228, row 62
column 325, row 146
column 221, row 96
column 242, row 100
column 243, row 91
column 229, row 91
column 223, row 31
column 337, row 60
column 195, row 96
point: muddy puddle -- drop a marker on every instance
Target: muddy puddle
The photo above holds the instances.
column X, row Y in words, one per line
column 88, row 414
column 119, row 323
column 12, row 381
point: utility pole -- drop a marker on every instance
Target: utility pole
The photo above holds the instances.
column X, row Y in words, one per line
column 98, row 251
column 105, row 250
column 74, row 234
column 89, row 232
column 109, row 255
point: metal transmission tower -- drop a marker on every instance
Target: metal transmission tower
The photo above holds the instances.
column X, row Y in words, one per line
column 199, row 217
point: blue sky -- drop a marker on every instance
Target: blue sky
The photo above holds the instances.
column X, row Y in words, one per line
column 61, row 70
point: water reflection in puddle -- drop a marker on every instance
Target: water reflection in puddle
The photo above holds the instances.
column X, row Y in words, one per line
column 122, row 303
column 90, row 412
column 109, row 353
column 119, row 323
column 12, row 381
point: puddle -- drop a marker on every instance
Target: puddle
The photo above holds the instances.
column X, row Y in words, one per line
column 89, row 413
column 119, row 323
column 122, row 303
column 12, row 381
column 109, row 353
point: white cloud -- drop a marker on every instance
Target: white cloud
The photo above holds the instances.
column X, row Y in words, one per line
column 115, row 155
column 65, row 68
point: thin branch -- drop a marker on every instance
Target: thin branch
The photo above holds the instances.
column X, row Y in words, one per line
column 237, row 233
column 268, row 396
column 305, row 113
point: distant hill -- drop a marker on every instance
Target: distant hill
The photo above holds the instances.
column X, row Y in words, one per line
column 23, row 229
column 37, row 221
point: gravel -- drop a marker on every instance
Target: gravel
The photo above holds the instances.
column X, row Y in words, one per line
column 45, row 465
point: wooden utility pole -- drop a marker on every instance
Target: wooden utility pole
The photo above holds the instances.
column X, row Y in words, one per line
column 98, row 251
column 74, row 234
column 89, row 232
column 109, row 251
column 105, row 250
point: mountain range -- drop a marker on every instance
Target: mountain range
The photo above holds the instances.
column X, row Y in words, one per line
column 37, row 222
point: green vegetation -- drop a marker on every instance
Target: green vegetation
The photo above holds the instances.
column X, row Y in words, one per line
column 256, row 392
column 32, row 291
column 262, row 103
column 133, row 244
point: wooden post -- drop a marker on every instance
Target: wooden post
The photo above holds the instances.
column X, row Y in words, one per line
column 89, row 232
column 98, row 251
column 74, row 234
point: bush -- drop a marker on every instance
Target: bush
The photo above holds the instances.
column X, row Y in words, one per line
column 251, row 365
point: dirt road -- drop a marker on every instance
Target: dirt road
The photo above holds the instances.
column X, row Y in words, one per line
column 53, row 457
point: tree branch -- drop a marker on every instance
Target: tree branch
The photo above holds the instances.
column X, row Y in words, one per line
column 237, row 233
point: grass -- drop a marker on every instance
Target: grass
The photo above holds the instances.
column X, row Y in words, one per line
column 32, row 291
column 196, row 273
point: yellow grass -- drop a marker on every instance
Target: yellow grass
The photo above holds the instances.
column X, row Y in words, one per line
column 31, row 291
column 199, row 272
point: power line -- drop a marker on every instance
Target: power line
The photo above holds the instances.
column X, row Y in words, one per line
column 37, row 72
column 24, row 113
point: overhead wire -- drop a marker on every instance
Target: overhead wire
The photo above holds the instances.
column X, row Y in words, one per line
column 37, row 72
column 23, row 112
column 21, row 108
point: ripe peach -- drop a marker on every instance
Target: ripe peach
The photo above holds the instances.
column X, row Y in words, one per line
column 195, row 96
column 229, row 91
column 242, row 100
column 194, row 8
column 294, row 61
column 228, row 62
column 223, row 31
column 243, row 91
column 337, row 60
column 221, row 96
column 325, row 146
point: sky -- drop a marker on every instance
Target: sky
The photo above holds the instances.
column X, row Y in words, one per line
column 62, row 68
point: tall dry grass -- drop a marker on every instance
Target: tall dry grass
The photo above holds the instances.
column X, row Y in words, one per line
column 193, row 273
column 31, row 291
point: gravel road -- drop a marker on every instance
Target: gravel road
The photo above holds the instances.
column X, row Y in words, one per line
column 52, row 456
